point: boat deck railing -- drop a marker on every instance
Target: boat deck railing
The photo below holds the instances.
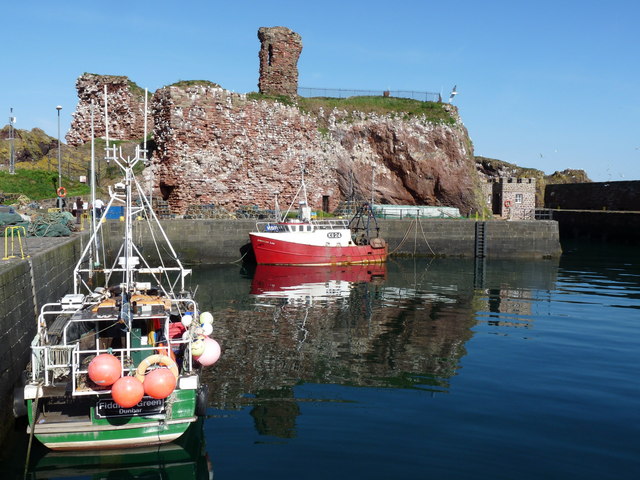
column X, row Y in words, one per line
column 51, row 361
column 279, row 227
column 60, row 362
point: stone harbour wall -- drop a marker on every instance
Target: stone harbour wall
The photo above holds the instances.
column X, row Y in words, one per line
column 26, row 285
column 623, row 196
column 222, row 241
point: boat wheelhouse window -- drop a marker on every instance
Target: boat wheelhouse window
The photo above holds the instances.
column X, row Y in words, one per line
column 301, row 228
column 308, row 228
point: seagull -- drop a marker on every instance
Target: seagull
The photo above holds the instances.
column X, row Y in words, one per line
column 453, row 93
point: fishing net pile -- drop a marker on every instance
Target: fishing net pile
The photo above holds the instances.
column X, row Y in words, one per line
column 52, row 224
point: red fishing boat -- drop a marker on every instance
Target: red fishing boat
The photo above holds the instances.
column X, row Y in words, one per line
column 304, row 241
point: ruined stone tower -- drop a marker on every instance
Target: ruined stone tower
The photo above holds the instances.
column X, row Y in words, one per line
column 125, row 104
column 279, row 52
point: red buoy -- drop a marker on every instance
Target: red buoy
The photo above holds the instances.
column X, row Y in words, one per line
column 105, row 369
column 127, row 391
column 159, row 383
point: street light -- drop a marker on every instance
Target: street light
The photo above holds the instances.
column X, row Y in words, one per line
column 58, row 108
column 12, row 155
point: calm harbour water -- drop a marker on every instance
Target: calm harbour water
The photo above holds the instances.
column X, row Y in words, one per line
column 441, row 368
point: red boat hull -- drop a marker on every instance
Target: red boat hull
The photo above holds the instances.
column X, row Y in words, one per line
column 271, row 251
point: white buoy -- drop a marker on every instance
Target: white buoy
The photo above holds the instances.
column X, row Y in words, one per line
column 206, row 318
column 207, row 328
column 186, row 320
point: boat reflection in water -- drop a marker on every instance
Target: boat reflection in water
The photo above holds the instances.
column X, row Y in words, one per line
column 180, row 459
column 307, row 283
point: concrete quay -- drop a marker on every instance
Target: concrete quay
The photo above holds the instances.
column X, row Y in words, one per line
column 220, row 241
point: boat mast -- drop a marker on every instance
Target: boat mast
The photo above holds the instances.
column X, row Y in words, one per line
column 93, row 194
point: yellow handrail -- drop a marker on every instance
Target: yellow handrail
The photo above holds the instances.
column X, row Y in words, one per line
column 14, row 232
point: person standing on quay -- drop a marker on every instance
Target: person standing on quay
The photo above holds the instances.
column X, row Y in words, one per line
column 98, row 208
column 77, row 209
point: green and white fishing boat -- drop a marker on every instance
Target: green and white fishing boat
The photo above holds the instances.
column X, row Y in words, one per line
column 98, row 348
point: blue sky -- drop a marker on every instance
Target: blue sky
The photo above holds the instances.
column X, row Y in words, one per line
column 543, row 84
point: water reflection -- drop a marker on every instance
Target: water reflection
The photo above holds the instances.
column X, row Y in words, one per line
column 308, row 283
column 403, row 325
column 183, row 458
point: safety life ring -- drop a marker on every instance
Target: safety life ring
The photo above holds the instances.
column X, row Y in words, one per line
column 62, row 192
column 156, row 359
column 507, row 203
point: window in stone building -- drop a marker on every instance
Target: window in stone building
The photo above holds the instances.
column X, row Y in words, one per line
column 518, row 198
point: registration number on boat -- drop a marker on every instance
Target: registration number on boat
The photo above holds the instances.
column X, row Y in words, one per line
column 334, row 235
column 146, row 406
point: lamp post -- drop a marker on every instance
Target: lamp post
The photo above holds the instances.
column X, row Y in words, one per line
column 58, row 108
column 12, row 155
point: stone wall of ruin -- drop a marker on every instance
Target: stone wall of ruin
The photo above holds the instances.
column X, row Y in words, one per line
column 125, row 105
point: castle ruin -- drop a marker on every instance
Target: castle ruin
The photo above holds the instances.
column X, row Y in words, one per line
column 279, row 52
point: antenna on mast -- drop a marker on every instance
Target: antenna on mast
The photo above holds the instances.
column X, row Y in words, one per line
column 373, row 180
column 146, row 158
column 144, row 147
column 106, row 123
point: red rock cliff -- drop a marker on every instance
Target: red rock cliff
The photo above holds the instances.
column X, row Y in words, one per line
column 214, row 146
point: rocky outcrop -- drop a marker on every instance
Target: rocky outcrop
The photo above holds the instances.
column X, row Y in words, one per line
column 30, row 146
column 490, row 168
column 280, row 49
column 214, row 146
column 125, row 105
column 414, row 161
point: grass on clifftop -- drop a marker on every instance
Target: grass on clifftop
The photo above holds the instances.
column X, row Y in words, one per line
column 406, row 107
column 38, row 184
column 191, row 83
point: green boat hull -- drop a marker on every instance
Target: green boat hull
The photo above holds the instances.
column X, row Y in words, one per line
column 123, row 431
column 186, row 458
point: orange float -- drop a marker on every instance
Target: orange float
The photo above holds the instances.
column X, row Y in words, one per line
column 105, row 369
column 159, row 383
column 127, row 391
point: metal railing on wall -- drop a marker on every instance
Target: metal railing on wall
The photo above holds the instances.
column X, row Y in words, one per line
column 543, row 214
column 344, row 93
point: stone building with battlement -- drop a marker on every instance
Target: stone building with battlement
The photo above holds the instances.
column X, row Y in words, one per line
column 510, row 198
